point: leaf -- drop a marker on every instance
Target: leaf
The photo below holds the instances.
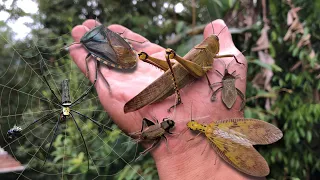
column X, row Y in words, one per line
column 309, row 136
column 179, row 26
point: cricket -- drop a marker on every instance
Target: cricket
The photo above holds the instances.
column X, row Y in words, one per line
column 194, row 65
column 229, row 90
column 232, row 140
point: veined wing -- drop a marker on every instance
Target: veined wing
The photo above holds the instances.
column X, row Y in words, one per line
column 246, row 131
column 244, row 158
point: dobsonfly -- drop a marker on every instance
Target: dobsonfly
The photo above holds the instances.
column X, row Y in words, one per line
column 195, row 64
column 229, row 89
column 232, row 140
column 153, row 132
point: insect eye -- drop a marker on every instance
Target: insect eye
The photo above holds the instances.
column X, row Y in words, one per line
column 217, row 38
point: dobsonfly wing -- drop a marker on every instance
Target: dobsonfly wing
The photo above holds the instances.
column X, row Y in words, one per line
column 233, row 140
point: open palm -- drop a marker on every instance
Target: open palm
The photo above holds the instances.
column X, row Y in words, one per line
column 125, row 85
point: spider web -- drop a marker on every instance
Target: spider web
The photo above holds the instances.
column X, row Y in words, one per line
column 24, row 98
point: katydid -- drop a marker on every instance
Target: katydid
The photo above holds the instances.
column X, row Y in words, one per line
column 195, row 64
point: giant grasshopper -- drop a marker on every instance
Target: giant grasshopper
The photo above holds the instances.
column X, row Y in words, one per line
column 195, row 64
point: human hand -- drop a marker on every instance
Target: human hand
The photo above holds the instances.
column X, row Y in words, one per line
column 185, row 159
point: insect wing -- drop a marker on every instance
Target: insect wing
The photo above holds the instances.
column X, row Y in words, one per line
column 244, row 158
column 160, row 89
column 252, row 130
column 153, row 132
column 96, row 42
column 147, row 122
column 126, row 56
column 229, row 92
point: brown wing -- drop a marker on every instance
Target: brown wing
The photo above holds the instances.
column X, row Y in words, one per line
column 244, row 158
column 229, row 92
column 253, row 130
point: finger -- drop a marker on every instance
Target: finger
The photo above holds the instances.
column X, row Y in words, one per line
column 227, row 47
column 138, row 42
column 91, row 23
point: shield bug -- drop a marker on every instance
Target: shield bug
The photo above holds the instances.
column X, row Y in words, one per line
column 151, row 131
column 109, row 48
column 229, row 90
column 232, row 140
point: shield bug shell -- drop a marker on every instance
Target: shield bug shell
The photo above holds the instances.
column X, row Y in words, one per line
column 109, row 48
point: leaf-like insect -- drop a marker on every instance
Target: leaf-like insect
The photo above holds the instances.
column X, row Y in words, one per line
column 229, row 89
column 232, row 139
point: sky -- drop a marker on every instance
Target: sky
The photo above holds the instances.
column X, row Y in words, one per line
column 19, row 26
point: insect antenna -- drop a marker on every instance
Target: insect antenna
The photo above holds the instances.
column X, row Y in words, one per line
column 67, row 46
column 210, row 19
column 85, row 144
column 232, row 19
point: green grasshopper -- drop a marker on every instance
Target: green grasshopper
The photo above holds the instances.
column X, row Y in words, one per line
column 195, row 64
column 153, row 132
column 229, row 90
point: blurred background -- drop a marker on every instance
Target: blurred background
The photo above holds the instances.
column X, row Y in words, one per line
column 279, row 38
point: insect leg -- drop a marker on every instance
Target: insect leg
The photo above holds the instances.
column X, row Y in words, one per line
column 104, row 79
column 152, row 146
column 166, row 142
column 92, row 120
column 243, row 103
column 208, row 80
column 229, row 55
column 194, row 69
column 219, row 73
column 205, row 148
column 35, row 121
column 85, row 144
column 148, row 149
column 120, row 33
column 214, row 94
column 47, row 83
column 80, row 99
column 161, row 64
column 54, row 137
column 87, row 67
column 168, row 54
